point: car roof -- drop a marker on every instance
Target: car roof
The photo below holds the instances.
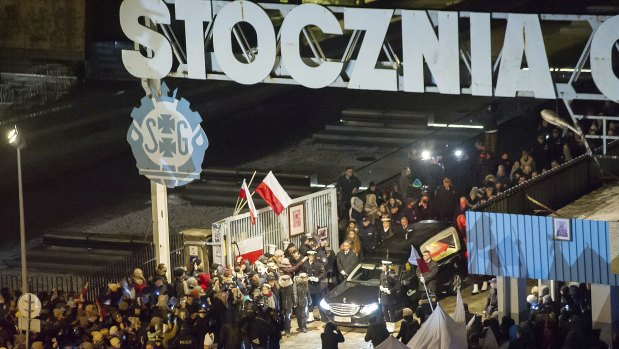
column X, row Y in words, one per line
column 399, row 249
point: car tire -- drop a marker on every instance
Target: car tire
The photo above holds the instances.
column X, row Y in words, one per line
column 455, row 283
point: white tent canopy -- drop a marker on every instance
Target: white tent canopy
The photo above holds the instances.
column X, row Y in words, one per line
column 440, row 331
column 391, row 343
column 460, row 315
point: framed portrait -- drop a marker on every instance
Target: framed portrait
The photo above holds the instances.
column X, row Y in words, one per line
column 561, row 229
column 296, row 219
column 323, row 233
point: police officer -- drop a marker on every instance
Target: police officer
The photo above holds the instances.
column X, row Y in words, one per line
column 368, row 236
column 388, row 298
column 317, row 277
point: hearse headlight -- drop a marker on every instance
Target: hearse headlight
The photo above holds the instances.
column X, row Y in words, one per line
column 369, row 308
column 324, row 305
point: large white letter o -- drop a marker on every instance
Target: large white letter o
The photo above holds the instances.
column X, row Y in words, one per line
column 602, row 46
column 257, row 70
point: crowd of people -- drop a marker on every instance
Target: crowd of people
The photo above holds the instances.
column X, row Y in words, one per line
column 565, row 323
column 254, row 304
column 250, row 306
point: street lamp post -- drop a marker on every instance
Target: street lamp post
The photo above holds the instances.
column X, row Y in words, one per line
column 16, row 140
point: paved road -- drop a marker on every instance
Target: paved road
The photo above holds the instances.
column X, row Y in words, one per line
column 354, row 336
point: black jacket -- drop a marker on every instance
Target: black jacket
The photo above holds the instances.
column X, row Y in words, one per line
column 346, row 262
column 408, row 328
column 331, row 340
column 377, row 333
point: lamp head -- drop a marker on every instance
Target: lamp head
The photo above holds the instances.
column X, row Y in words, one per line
column 552, row 118
column 16, row 139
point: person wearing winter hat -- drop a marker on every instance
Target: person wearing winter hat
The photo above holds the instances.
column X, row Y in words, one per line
column 408, row 327
column 302, row 300
column 138, row 281
column 277, row 256
column 162, row 271
column 286, row 300
column 269, row 298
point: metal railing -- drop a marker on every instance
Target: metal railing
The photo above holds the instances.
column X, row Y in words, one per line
column 143, row 258
column 557, row 187
column 320, row 210
column 43, row 283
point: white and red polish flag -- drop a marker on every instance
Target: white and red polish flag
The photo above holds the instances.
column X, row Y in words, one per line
column 273, row 193
column 251, row 248
column 244, row 193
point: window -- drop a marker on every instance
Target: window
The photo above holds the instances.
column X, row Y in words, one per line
column 443, row 244
column 370, row 273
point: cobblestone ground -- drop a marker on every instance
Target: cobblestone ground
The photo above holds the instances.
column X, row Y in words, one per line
column 354, row 336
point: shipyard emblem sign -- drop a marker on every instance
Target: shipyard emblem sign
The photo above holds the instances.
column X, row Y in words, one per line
column 167, row 140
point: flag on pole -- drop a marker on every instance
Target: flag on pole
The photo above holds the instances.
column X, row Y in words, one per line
column 414, row 259
column 244, row 193
column 273, row 193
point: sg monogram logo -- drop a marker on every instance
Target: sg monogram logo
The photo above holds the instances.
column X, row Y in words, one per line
column 167, row 140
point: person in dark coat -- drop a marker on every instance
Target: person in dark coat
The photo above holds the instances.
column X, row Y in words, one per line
column 429, row 277
column 331, row 336
column 403, row 229
column 376, row 332
column 408, row 210
column 307, row 244
column 317, row 277
column 408, row 326
column 231, row 336
column 423, row 209
column 286, row 294
column 445, row 200
column 388, row 294
column 367, row 235
column 346, row 260
column 262, row 331
column 347, row 186
column 302, row 300
column 404, row 182
column 492, row 302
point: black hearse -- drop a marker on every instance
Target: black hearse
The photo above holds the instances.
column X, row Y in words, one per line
column 353, row 301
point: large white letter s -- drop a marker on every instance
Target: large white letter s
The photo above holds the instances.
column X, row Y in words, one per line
column 136, row 64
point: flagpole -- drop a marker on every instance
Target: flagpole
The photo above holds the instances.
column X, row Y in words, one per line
column 244, row 203
column 237, row 207
column 427, row 294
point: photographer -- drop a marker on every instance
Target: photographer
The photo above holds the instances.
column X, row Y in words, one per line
column 331, row 336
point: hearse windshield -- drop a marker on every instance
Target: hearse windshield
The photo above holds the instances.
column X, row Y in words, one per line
column 366, row 273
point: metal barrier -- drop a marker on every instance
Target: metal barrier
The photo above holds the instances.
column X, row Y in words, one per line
column 42, row 283
column 559, row 186
column 144, row 258
column 320, row 210
column 555, row 189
